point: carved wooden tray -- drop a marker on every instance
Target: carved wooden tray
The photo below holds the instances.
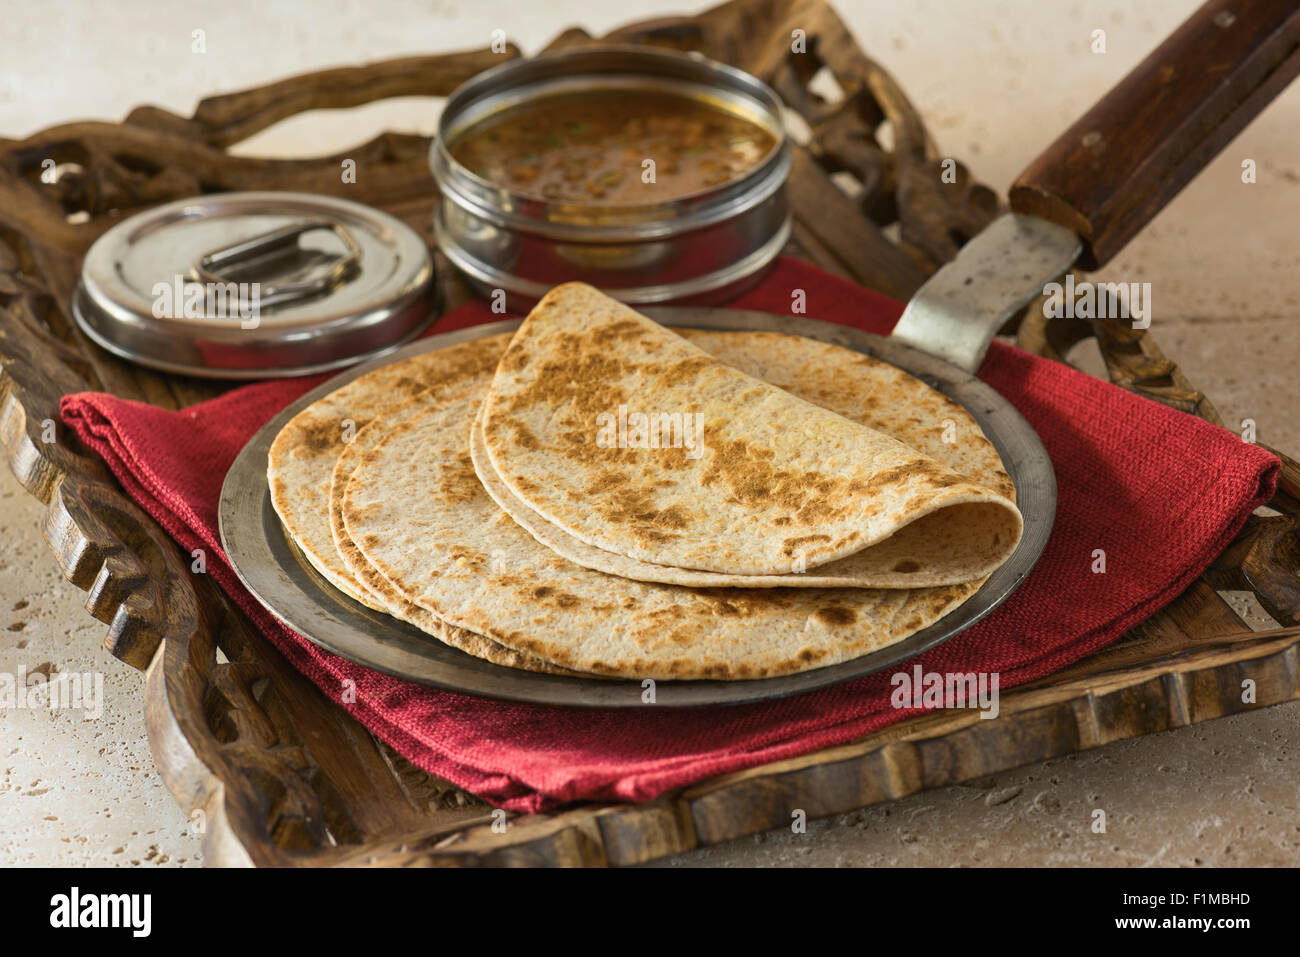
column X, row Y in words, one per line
column 275, row 773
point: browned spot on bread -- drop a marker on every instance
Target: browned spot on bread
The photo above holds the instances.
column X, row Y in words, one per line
column 907, row 566
column 636, row 509
column 550, row 597
column 937, row 475
column 792, row 545
column 514, row 360
column 685, row 370
column 748, row 474
column 835, row 615
column 322, row 435
column 606, row 480
column 458, row 483
column 523, row 436
column 469, row 557
column 610, row 331
column 467, row 360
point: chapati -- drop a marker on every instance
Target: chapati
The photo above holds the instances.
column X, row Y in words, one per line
column 754, row 480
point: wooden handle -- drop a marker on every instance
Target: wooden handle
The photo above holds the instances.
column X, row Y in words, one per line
column 1110, row 173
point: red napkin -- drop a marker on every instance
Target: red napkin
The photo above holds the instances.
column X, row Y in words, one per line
column 1161, row 492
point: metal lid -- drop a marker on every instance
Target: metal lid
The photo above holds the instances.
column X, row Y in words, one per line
column 255, row 285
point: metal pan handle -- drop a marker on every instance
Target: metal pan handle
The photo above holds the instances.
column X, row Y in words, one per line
column 959, row 310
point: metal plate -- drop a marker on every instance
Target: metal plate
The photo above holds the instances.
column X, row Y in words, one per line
column 269, row 565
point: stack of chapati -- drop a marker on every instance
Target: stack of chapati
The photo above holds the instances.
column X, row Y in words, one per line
column 597, row 494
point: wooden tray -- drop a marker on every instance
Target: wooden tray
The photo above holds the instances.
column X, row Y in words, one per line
column 275, row 773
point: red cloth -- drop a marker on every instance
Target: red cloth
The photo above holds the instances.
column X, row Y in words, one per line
column 1161, row 492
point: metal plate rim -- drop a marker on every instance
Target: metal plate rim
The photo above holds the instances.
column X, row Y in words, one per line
column 283, row 582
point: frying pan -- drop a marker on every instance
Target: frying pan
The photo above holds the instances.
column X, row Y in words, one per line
column 1077, row 205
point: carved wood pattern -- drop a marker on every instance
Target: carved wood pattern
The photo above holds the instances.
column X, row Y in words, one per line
column 277, row 774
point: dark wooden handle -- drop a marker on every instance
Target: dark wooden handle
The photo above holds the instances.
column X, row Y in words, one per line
column 1110, row 173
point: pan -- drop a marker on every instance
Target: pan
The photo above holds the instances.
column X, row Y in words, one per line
column 269, row 565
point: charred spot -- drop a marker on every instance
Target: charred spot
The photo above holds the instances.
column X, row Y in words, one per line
column 524, row 437
column 686, row 369
column 792, row 545
column 748, row 474
column 459, row 483
column 605, row 481
column 322, row 436
column 604, row 335
column 467, row 557
column 514, row 360
column 835, row 615
column 635, row 508
column 559, row 599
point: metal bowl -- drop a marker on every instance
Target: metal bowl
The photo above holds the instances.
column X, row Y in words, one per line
column 702, row 248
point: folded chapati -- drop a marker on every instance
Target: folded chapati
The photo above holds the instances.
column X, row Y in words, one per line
column 726, row 479
column 398, row 518
column 417, row 512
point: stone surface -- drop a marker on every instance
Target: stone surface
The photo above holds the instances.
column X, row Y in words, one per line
column 993, row 80
column 77, row 785
column 1225, row 793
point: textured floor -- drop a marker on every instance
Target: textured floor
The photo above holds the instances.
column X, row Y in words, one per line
column 993, row 80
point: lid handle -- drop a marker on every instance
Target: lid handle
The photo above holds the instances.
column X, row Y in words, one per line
column 224, row 264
